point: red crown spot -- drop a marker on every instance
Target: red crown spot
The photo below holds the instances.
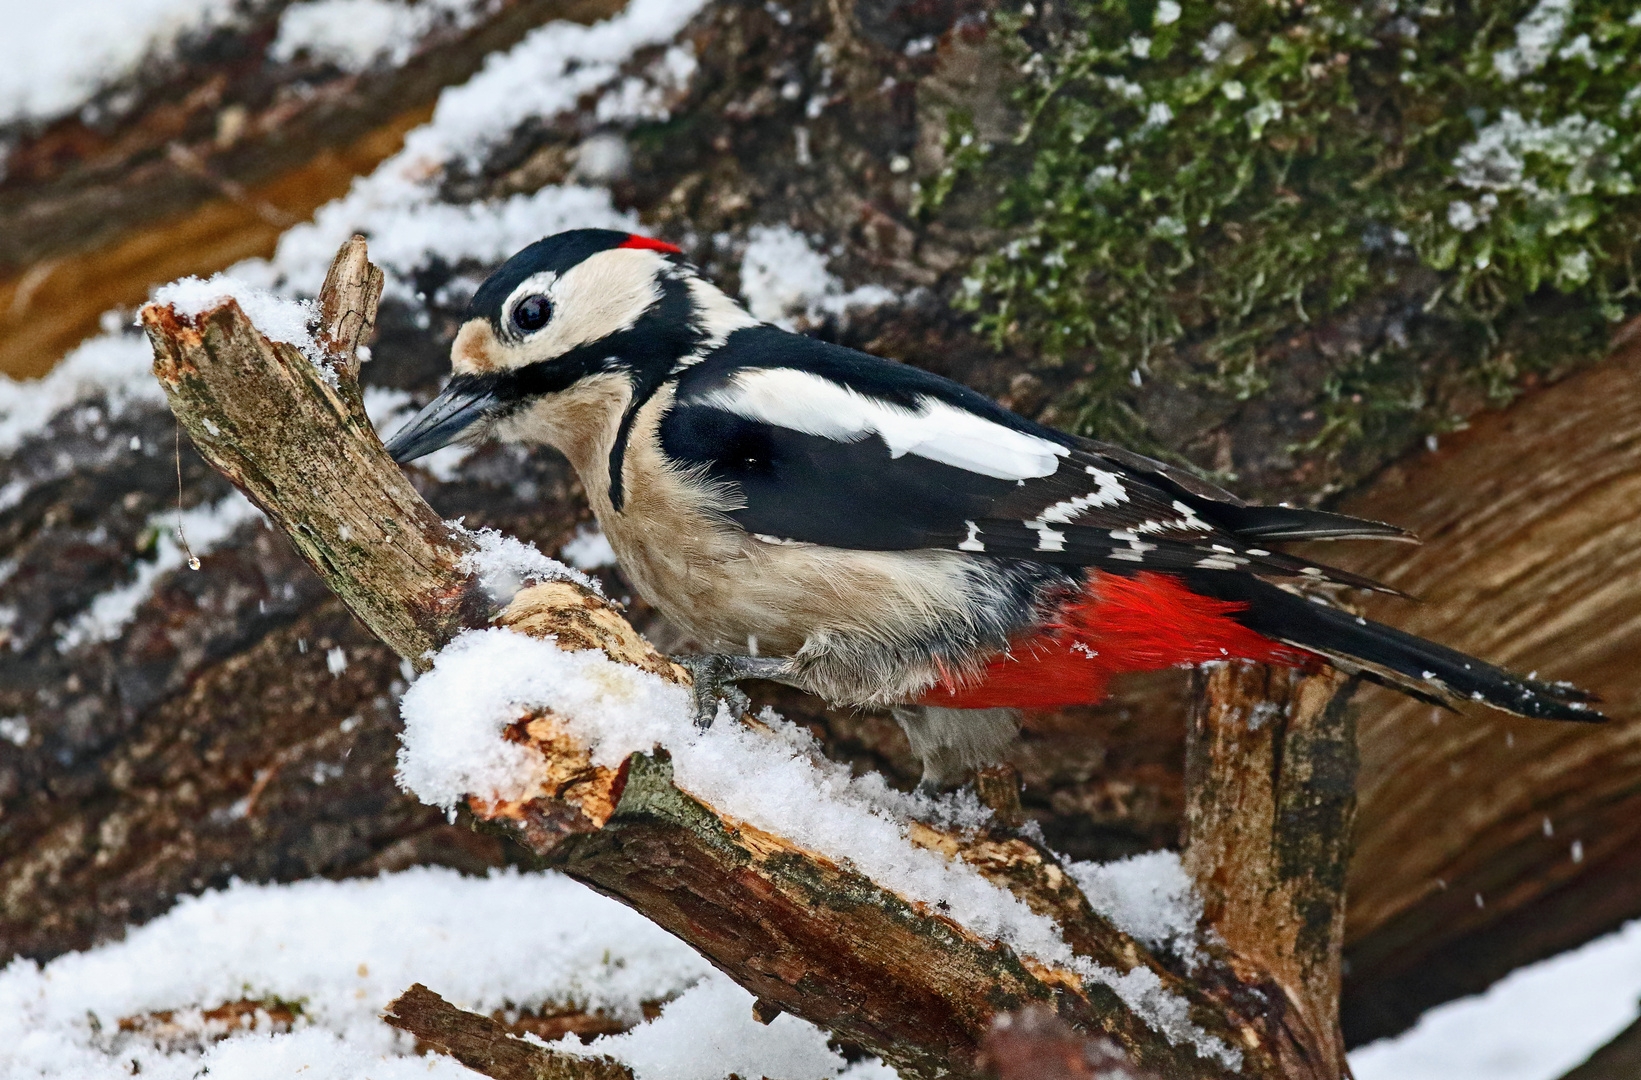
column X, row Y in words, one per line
column 645, row 243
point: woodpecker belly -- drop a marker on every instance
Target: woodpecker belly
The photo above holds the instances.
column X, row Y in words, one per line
column 864, row 628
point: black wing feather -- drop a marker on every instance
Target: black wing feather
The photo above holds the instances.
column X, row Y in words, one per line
column 1104, row 506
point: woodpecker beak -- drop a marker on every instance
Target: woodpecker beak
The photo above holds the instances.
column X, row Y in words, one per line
column 465, row 402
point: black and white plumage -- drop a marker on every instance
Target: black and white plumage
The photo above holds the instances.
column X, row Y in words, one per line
column 883, row 536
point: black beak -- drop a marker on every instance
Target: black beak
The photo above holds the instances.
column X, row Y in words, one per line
column 465, row 402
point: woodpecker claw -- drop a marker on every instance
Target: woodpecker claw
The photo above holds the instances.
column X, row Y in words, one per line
column 715, row 677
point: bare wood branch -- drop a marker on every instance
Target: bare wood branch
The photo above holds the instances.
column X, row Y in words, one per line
column 486, row 1046
column 1270, row 780
column 805, row 935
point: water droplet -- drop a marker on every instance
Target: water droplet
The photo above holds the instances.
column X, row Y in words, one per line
column 193, row 562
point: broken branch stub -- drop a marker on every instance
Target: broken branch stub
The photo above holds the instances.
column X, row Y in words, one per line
column 1270, row 778
column 804, row 933
column 486, row 1046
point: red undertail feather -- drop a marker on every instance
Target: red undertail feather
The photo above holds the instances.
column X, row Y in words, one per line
column 633, row 240
column 1141, row 623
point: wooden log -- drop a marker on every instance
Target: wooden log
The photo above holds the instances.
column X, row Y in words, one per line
column 208, row 166
column 1488, row 841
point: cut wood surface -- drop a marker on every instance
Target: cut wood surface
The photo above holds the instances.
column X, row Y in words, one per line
column 804, row 934
column 1489, row 841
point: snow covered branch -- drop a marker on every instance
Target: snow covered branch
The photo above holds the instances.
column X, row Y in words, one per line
column 903, row 925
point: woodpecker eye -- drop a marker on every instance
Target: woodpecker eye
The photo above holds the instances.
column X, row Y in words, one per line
column 532, row 313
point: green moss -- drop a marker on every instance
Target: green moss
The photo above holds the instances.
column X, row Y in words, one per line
column 1195, row 178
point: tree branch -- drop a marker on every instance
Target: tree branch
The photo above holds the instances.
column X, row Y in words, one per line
column 486, row 1046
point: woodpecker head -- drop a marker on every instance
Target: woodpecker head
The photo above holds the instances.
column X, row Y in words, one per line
column 585, row 307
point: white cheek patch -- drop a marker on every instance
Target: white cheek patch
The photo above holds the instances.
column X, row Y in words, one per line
column 595, row 299
column 934, row 430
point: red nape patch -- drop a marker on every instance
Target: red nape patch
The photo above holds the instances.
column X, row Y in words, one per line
column 633, row 240
column 1141, row 623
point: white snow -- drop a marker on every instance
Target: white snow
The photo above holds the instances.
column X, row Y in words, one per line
column 1496, row 160
column 343, row 950
column 1535, row 1024
column 1536, row 38
column 279, row 319
column 783, row 278
column 506, row 564
column 116, row 365
column 487, row 679
column 205, row 527
column 588, row 549
column 708, row 1034
column 1150, row 897
column 54, row 57
column 357, row 34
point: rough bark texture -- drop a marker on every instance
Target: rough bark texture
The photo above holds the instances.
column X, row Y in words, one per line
column 1035, row 1044
column 486, row 1046
column 805, row 935
column 1270, row 776
column 1488, row 841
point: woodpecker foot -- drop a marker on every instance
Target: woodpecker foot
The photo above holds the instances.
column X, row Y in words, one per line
column 715, row 676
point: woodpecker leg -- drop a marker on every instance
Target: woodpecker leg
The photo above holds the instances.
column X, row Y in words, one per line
column 715, row 676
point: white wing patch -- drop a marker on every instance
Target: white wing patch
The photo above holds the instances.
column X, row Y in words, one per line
column 1108, row 491
column 802, row 401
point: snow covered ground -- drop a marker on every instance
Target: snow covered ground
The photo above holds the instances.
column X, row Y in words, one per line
column 1535, row 1024
column 341, row 950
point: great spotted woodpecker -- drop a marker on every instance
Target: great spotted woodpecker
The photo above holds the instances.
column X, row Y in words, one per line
column 881, row 536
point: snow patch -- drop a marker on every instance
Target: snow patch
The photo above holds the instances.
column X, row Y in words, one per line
column 55, row 57
column 784, row 278
column 279, row 319
column 205, row 526
column 1536, row 39
column 588, row 549
column 1149, row 897
column 343, row 949
column 359, row 34
column 506, row 564
column 1534, row 1024
column 118, row 366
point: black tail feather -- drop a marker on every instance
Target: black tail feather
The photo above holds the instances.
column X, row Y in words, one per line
column 1292, row 523
column 1422, row 669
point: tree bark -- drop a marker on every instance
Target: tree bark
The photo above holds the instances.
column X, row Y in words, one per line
column 486, row 1046
column 208, row 166
column 1270, row 776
